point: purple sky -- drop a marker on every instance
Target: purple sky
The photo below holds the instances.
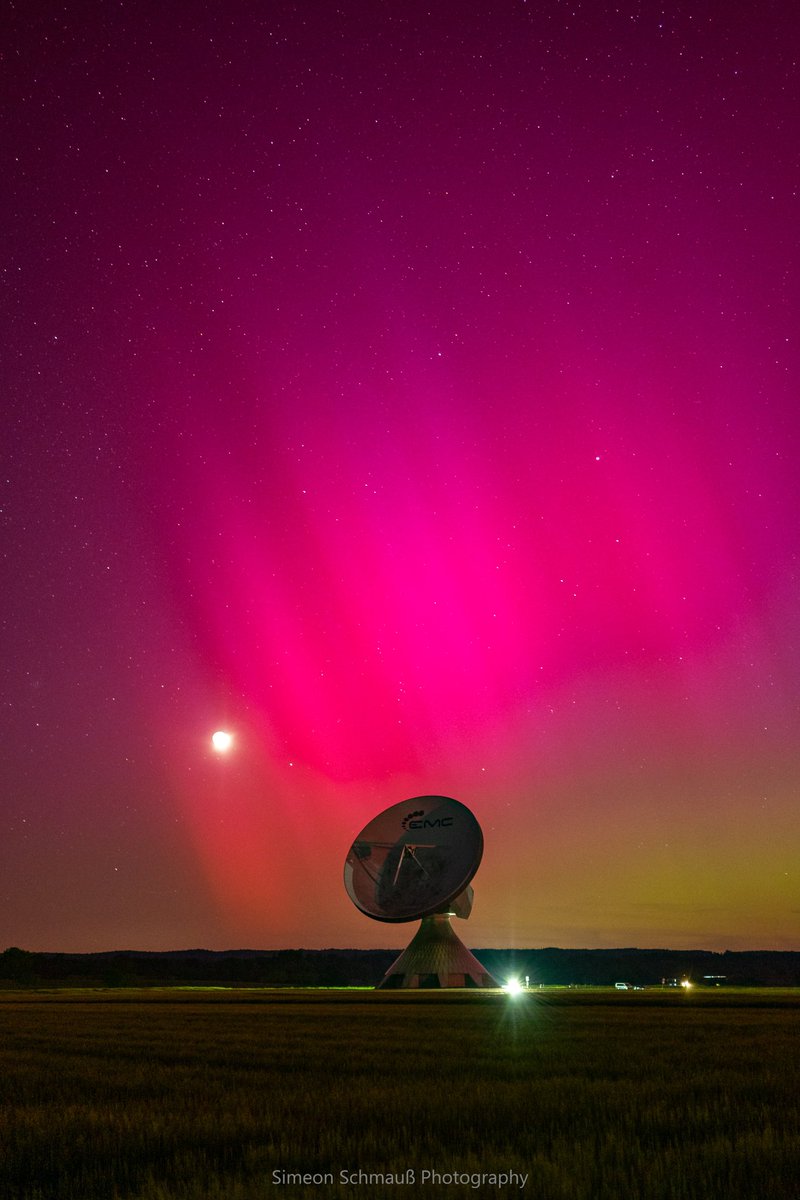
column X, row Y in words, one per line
column 414, row 391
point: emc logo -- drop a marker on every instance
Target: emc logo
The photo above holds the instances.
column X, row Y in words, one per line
column 412, row 821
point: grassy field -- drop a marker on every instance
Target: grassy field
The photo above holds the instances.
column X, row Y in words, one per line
column 204, row 1094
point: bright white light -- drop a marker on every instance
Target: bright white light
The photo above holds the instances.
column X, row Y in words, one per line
column 513, row 987
column 221, row 741
column 686, row 983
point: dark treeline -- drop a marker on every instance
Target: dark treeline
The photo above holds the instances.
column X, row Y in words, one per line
column 353, row 968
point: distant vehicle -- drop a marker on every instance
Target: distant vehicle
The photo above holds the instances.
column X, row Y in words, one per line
column 622, row 987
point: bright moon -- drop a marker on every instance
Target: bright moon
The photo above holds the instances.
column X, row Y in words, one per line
column 221, row 741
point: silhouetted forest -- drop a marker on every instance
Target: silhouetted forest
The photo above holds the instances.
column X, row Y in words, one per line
column 354, row 968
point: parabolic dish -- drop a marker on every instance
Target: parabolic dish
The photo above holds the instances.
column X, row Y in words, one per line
column 413, row 859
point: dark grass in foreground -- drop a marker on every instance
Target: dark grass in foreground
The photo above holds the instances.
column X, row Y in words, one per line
column 203, row 1094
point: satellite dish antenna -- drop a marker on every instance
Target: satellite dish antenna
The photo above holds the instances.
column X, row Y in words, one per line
column 415, row 861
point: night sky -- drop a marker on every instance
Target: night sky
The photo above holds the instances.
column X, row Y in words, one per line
column 413, row 390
